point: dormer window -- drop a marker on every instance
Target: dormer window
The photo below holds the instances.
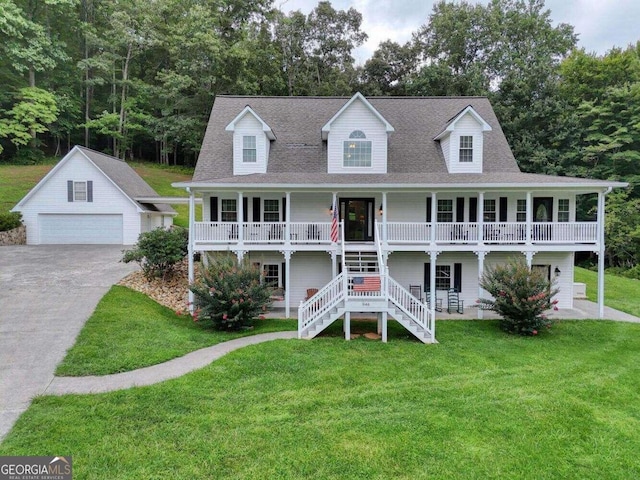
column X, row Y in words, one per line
column 249, row 154
column 357, row 150
column 466, row 148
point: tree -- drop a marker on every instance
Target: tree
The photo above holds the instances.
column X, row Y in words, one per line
column 387, row 72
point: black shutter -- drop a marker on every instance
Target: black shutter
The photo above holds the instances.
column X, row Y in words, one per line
column 284, row 276
column 245, row 209
column 89, row 191
column 284, row 209
column 427, row 277
column 69, row 190
column 473, row 209
column 428, row 209
column 460, row 209
column 503, row 209
column 213, row 209
column 457, row 277
column 256, row 209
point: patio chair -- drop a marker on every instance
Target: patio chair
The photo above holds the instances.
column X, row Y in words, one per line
column 454, row 302
column 310, row 293
column 416, row 291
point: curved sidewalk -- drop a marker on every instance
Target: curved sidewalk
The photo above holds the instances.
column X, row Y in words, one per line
column 158, row 373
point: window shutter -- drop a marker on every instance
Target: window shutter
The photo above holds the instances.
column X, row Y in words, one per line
column 69, row 190
column 89, row 191
column 460, row 209
column 256, row 209
column 428, row 209
column 283, row 276
column 473, row 209
column 503, row 209
column 245, row 209
column 284, row 209
column 213, row 209
column 427, row 277
column 457, row 277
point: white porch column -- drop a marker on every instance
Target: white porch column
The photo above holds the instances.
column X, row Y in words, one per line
column 190, row 249
column 334, row 263
column 287, row 283
column 481, row 256
column 384, row 327
column 529, row 257
column 240, row 218
column 384, row 217
column 432, row 284
column 434, row 216
column 480, row 217
column 347, row 326
column 287, row 214
column 529, row 216
column 601, row 207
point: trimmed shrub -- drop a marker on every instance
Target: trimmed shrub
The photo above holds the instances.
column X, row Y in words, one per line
column 230, row 294
column 10, row 220
column 520, row 296
column 158, row 251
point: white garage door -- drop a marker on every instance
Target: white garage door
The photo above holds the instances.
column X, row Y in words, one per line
column 80, row 229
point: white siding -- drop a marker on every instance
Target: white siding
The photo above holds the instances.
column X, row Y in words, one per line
column 466, row 126
column 446, row 150
column 250, row 126
column 51, row 198
column 357, row 117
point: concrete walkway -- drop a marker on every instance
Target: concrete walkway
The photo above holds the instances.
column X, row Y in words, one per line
column 158, row 373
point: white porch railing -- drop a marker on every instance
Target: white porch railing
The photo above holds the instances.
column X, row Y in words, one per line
column 410, row 305
column 262, row 232
column 493, row 232
column 321, row 303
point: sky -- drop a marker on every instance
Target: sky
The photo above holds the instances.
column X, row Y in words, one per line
column 600, row 24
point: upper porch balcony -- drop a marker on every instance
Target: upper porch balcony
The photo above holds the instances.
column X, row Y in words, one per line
column 213, row 235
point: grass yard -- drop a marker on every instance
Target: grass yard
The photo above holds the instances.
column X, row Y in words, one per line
column 481, row 404
column 17, row 180
column 128, row 330
column 619, row 292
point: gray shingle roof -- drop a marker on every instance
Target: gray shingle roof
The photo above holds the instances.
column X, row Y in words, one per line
column 299, row 155
column 125, row 177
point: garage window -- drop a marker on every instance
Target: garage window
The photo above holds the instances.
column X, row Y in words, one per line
column 79, row 191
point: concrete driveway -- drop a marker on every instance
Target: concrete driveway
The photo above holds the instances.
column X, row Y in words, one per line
column 46, row 295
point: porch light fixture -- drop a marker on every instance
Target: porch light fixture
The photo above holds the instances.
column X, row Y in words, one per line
column 380, row 209
column 557, row 272
column 330, row 209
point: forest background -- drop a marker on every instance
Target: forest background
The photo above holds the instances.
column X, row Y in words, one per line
column 137, row 79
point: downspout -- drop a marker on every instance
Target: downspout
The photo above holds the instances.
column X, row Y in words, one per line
column 601, row 209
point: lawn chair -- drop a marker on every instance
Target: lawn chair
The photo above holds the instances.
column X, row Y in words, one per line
column 454, row 302
column 416, row 291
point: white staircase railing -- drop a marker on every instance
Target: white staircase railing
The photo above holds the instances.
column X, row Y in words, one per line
column 327, row 298
column 417, row 311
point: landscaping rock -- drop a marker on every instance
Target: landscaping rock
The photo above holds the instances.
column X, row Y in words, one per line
column 372, row 336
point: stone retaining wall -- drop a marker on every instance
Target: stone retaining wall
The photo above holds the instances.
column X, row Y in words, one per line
column 17, row 236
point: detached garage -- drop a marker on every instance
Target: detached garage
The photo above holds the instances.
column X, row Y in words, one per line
column 91, row 198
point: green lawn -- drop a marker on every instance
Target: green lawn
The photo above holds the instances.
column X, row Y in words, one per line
column 128, row 330
column 17, row 180
column 480, row 404
column 619, row 292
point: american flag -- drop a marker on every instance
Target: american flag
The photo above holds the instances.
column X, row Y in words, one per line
column 334, row 224
column 366, row 284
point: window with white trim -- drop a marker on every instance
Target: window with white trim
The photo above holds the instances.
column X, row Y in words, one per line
column 357, row 150
column 445, row 210
column 249, row 154
column 79, row 191
column 563, row 210
column 443, row 277
column 271, row 211
column 466, row 148
column 271, row 275
column 229, row 212
column 521, row 210
column 489, row 210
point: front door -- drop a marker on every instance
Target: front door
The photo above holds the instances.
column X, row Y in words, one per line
column 543, row 209
column 358, row 217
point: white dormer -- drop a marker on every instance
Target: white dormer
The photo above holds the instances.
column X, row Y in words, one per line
column 251, row 141
column 357, row 138
column 462, row 142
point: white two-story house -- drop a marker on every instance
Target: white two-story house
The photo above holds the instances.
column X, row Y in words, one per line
column 389, row 205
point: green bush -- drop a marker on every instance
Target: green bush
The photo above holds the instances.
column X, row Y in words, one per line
column 230, row 295
column 158, row 251
column 520, row 296
column 10, row 220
